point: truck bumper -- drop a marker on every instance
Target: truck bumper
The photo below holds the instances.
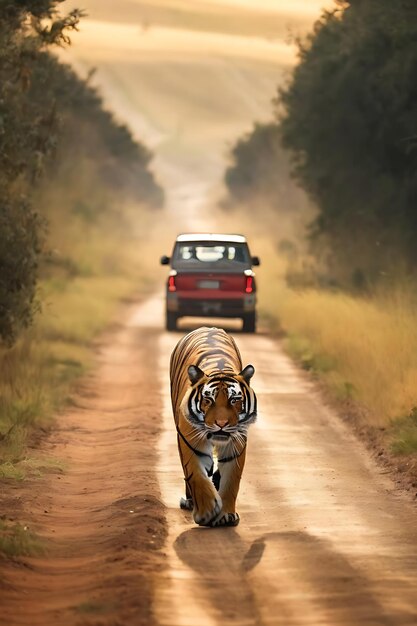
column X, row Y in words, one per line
column 211, row 307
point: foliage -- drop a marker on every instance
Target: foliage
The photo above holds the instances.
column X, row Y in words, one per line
column 50, row 121
column 363, row 348
column 38, row 373
column 88, row 132
column 404, row 434
column 25, row 140
column 259, row 173
column 259, row 164
column 351, row 122
column 348, row 117
column 18, row 540
column 19, row 249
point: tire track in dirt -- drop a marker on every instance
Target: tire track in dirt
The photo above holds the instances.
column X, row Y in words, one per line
column 102, row 520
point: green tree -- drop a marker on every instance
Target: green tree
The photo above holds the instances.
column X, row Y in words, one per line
column 26, row 138
column 350, row 120
column 260, row 173
column 259, row 167
column 47, row 111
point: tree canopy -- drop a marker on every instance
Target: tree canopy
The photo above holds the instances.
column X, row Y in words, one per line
column 47, row 113
column 348, row 117
column 350, row 120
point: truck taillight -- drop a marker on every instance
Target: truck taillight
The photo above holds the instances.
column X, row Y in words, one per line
column 249, row 284
column 171, row 284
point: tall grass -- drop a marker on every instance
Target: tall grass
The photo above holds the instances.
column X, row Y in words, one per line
column 18, row 540
column 90, row 269
column 38, row 373
column 365, row 348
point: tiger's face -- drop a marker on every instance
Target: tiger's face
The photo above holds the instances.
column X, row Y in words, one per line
column 221, row 406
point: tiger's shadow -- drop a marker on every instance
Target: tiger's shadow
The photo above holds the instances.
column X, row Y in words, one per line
column 226, row 573
column 338, row 586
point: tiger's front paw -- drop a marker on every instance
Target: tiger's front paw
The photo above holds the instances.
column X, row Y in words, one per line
column 208, row 509
column 226, row 519
column 186, row 504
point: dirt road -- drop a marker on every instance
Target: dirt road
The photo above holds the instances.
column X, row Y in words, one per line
column 324, row 539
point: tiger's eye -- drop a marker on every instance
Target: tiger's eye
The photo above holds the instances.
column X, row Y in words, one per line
column 205, row 403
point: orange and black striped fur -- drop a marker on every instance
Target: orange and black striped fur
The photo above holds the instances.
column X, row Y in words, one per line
column 213, row 406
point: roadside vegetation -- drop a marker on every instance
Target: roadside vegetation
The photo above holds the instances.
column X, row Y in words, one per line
column 341, row 277
column 18, row 540
column 77, row 198
column 364, row 348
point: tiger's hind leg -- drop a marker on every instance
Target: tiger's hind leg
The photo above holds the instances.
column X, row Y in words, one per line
column 187, row 504
column 216, row 479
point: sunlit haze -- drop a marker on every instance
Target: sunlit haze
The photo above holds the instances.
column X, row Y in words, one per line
column 189, row 77
column 303, row 7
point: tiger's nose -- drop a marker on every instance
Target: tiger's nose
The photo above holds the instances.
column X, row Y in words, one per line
column 222, row 423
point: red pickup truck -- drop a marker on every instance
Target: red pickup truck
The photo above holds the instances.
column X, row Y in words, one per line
column 211, row 276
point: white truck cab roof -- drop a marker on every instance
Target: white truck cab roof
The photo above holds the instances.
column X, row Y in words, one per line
column 210, row 237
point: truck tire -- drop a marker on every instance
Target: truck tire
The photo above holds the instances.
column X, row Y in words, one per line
column 171, row 321
column 249, row 323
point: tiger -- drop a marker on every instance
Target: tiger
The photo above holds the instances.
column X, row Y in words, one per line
column 213, row 405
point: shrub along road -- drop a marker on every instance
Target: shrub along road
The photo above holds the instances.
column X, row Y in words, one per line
column 324, row 538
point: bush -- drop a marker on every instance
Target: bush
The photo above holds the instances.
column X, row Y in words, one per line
column 350, row 122
column 19, row 250
column 50, row 119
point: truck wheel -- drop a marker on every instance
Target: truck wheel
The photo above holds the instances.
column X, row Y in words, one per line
column 249, row 323
column 171, row 321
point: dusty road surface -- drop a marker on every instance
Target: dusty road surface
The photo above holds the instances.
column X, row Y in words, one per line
column 324, row 539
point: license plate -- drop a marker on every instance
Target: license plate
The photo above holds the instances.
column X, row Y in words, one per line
column 211, row 307
column 208, row 284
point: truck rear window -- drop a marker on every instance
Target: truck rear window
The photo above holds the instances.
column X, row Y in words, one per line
column 218, row 254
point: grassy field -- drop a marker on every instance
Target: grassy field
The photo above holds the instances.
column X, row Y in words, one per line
column 90, row 270
column 17, row 540
column 364, row 349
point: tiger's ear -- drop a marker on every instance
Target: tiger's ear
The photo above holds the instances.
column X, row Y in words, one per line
column 247, row 373
column 195, row 374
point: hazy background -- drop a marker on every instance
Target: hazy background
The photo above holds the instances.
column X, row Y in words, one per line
column 189, row 77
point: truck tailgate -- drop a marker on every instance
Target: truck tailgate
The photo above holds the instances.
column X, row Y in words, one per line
column 204, row 284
